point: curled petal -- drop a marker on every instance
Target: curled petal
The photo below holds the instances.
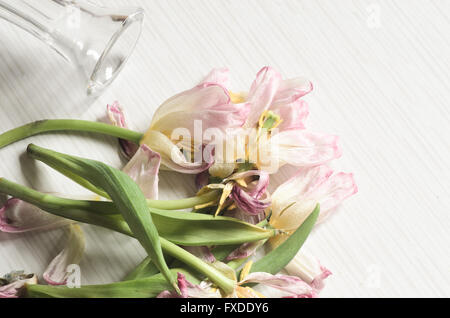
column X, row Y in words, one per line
column 306, row 180
column 262, row 93
column 11, row 285
column 117, row 117
column 202, row 252
column 335, row 190
column 219, row 118
column 294, row 200
column 201, row 98
column 257, row 188
column 143, row 168
column 249, row 203
column 56, row 272
column 17, row 216
column 219, row 76
column 189, row 290
column 290, row 286
column 172, row 157
column 303, row 148
column 291, row 90
column 309, row 269
column 201, row 180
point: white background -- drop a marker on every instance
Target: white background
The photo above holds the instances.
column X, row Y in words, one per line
column 381, row 76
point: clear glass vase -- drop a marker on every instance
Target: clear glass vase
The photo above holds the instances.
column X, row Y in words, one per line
column 96, row 40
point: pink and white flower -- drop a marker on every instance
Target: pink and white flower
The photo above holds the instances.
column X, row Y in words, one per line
column 290, row 143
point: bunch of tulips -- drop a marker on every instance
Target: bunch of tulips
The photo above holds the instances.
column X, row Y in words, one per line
column 207, row 245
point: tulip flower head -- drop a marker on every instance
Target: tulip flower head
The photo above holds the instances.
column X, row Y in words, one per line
column 274, row 132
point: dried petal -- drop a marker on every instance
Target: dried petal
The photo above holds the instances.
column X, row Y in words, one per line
column 56, row 273
column 309, row 269
column 17, row 216
column 290, row 286
column 143, row 168
column 117, row 117
column 189, row 290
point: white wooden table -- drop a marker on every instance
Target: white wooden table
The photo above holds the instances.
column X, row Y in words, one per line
column 381, row 76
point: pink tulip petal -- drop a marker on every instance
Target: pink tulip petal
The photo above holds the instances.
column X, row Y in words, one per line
column 143, row 168
column 219, row 76
column 173, row 158
column 248, row 203
column 200, row 98
column 18, row 216
column 14, row 282
column 333, row 191
column 220, row 117
column 262, row 93
column 319, row 281
column 201, row 180
column 303, row 148
column 295, row 199
column 305, row 180
column 256, row 188
column 291, row 286
column 293, row 115
column 182, row 285
column 56, row 272
column 291, row 90
column 117, row 118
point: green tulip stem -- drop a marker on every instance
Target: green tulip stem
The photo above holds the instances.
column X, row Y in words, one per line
column 81, row 211
column 58, row 125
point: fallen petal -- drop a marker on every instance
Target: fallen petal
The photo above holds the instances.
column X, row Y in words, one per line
column 143, row 168
column 18, row 216
column 189, row 290
column 290, row 286
column 56, row 273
